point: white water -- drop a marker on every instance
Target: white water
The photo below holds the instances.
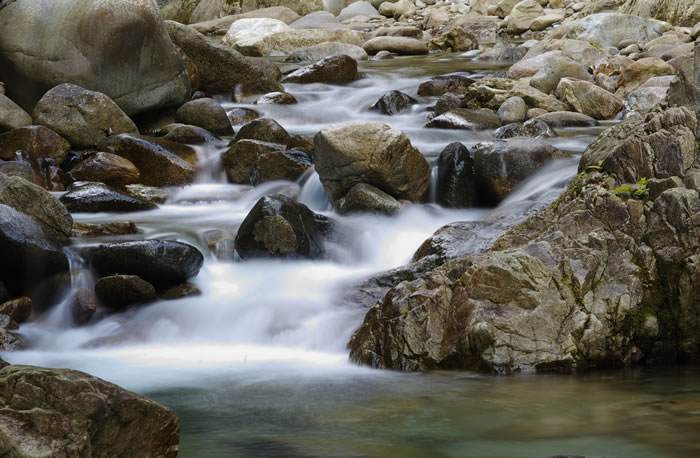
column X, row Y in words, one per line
column 270, row 316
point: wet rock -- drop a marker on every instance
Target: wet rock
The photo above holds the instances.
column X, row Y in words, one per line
column 222, row 69
column 160, row 262
column 180, row 291
column 547, row 78
column 12, row 116
column 456, row 39
column 37, row 141
column 264, row 130
column 19, row 310
column 86, row 414
column 37, row 203
column 459, row 239
column 205, row 113
column 609, row 29
column 106, row 46
column 512, row 110
column 589, row 99
column 95, row 197
column 276, row 98
column 107, row 168
column 9, row 341
column 184, row 133
column 531, row 128
column 456, row 184
column 439, row 85
column 567, row 119
column 81, row 229
column 157, row 165
column 239, row 116
column 279, row 227
column 121, row 291
column 328, row 49
column 82, row 306
column 83, row 117
column 29, row 254
column 523, row 14
column 500, row 166
column 638, row 72
column 254, row 162
column 147, row 193
column 364, row 197
column 339, row 69
column 392, row 103
column 403, row 46
column 447, row 102
column 463, row 118
column 373, row 153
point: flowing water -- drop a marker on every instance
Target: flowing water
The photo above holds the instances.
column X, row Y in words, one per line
column 257, row 365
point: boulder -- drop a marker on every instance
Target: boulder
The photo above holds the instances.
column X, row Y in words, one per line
column 113, row 47
column 99, row 229
column 82, row 117
column 584, row 52
column 29, row 253
column 301, row 7
column 21, row 169
column 315, row 20
column 677, row 12
column 404, row 46
column 492, row 92
column 530, row 128
column 464, row 118
column 106, row 168
column 456, row 183
column 504, row 7
column 455, row 39
column 459, row 239
column 373, row 153
column 589, row 99
column 567, row 119
column 162, row 263
column 265, row 130
column 547, row 78
column 222, row 69
column 439, row 85
column 523, row 14
column 185, row 133
column 37, row 203
column 37, row 141
column 284, row 42
column 276, row 98
column 52, row 412
column 645, row 98
column 328, row 49
column 364, row 197
column 180, row 291
column 281, row 228
column 254, row 162
column 157, row 165
column 220, row 25
column 530, row 65
column 360, row 8
column 189, row 11
column 120, row 291
column 500, row 166
column 512, row 110
column 409, row 31
column 392, row 103
column 19, row 310
column 338, row 69
column 205, row 113
column 12, row 116
column 92, row 197
column 609, row 29
column 246, row 32
column 446, row 102
column 240, row 116
column 545, row 21
column 638, row 72
column 598, row 278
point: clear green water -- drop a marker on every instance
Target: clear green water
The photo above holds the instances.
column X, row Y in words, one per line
column 362, row 413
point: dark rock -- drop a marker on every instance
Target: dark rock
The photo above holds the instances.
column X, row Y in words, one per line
column 81, row 229
column 106, row 168
column 157, row 165
column 28, row 253
column 85, row 415
column 205, row 113
column 276, row 98
column 120, row 291
column 456, row 184
column 240, row 116
column 447, row 102
column 184, row 133
column 82, row 305
column 254, row 162
column 464, row 118
column 39, row 204
column 160, row 262
column 4, row 294
column 439, row 85
column 265, row 130
column 339, row 69
column 97, row 197
column 180, row 291
column 36, row 141
column 81, row 116
column 392, row 103
column 279, row 227
column 18, row 309
column 364, row 197
column 567, row 119
column 531, row 128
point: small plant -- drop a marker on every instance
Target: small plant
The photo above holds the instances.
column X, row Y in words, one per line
column 638, row 190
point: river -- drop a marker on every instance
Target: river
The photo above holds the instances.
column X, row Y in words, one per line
column 257, row 365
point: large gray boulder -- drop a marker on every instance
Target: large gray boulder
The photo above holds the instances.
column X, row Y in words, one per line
column 81, row 116
column 12, row 116
column 120, row 48
column 606, row 275
column 62, row 412
column 589, row 99
column 609, row 29
column 373, row 153
column 677, row 12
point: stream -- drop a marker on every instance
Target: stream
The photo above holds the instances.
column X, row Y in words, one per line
column 257, row 365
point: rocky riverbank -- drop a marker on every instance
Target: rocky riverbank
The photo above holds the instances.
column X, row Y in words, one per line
column 105, row 108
